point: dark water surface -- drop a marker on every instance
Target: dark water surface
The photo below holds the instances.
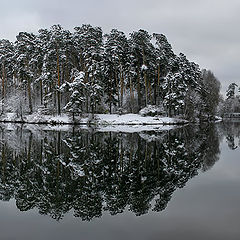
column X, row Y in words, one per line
column 84, row 184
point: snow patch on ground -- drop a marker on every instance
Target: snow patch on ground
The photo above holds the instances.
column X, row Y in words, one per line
column 152, row 110
column 99, row 119
column 134, row 119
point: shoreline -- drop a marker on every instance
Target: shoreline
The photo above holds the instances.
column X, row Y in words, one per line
column 98, row 120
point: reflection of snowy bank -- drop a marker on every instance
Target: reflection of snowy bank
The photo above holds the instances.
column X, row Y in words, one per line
column 37, row 128
column 98, row 119
column 134, row 128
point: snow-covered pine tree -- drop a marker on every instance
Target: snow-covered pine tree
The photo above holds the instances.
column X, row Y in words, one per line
column 24, row 53
column 56, row 47
column 46, row 70
column 211, row 96
column 174, row 93
column 164, row 57
column 77, row 88
column 89, row 44
column 116, row 54
column 110, row 86
column 231, row 90
column 232, row 103
column 164, row 53
column 59, row 41
column 191, row 76
column 142, row 51
column 6, row 68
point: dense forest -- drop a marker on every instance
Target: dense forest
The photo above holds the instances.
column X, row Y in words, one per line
column 232, row 102
column 86, row 71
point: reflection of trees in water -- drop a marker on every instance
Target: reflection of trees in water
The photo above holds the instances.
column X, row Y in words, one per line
column 231, row 142
column 95, row 172
column 232, row 132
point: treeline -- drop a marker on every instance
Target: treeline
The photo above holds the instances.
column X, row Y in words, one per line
column 86, row 71
column 89, row 173
column 232, row 102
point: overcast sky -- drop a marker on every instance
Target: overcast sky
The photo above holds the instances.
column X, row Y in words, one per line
column 207, row 31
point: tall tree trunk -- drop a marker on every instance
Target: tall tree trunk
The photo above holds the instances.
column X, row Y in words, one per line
column 30, row 95
column 145, row 78
column 110, row 107
column 41, row 92
column 117, row 84
column 3, row 85
column 59, row 83
column 131, row 95
column 170, row 101
column 146, row 89
column 29, row 92
column 139, row 91
column 122, row 87
column 150, row 92
column 158, row 84
column 155, row 91
column 121, row 83
column 86, row 92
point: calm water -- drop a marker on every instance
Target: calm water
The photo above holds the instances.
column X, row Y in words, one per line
column 87, row 185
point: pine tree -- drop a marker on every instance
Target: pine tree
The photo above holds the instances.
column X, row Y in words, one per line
column 174, row 92
column 25, row 45
column 77, row 89
column 143, row 53
column 211, row 97
column 117, row 54
column 6, row 68
column 164, row 58
column 231, row 90
column 58, row 42
column 89, row 44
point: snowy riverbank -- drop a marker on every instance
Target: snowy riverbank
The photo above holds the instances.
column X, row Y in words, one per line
column 37, row 129
column 99, row 119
